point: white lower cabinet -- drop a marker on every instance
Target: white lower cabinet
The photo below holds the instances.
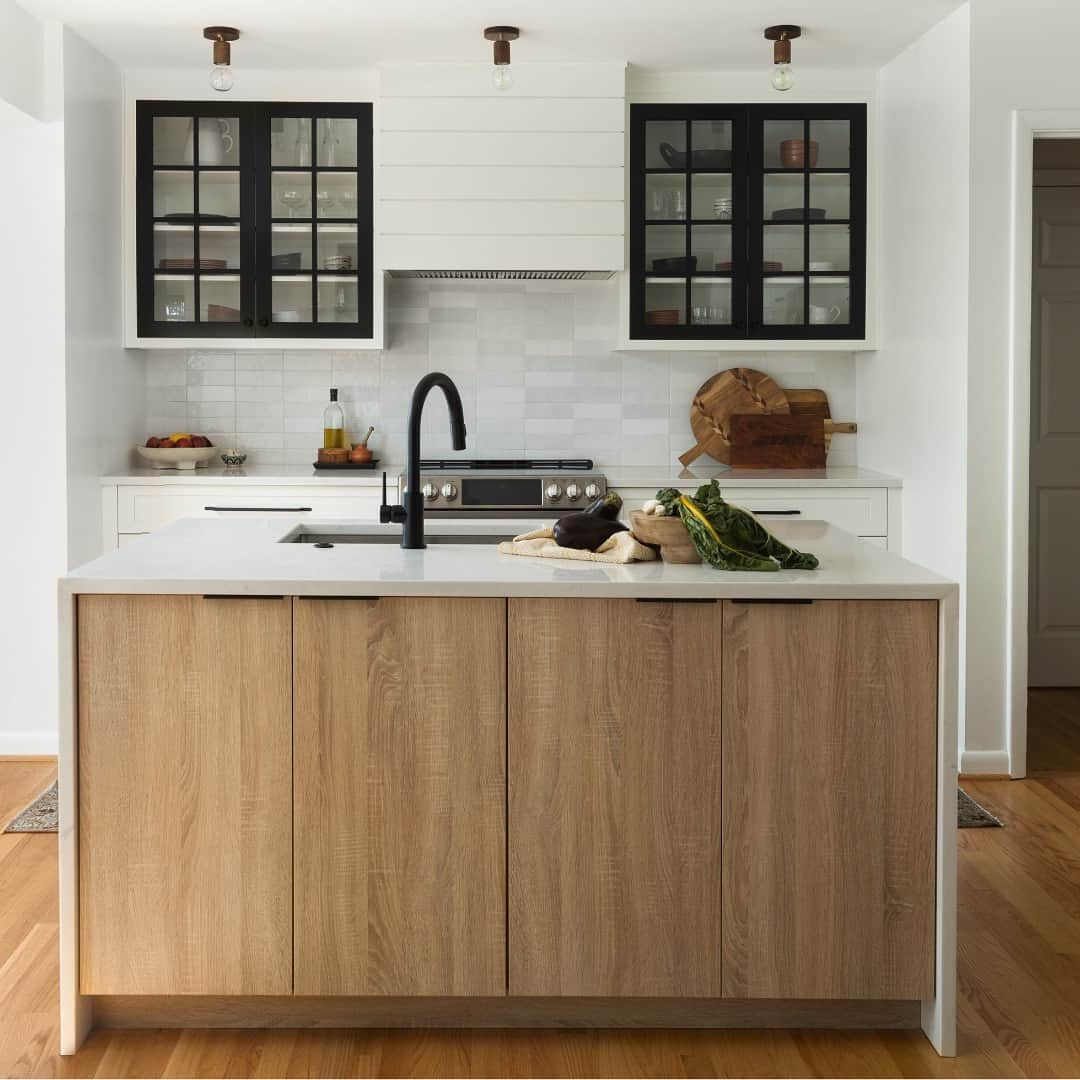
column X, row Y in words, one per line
column 132, row 510
column 871, row 513
column 868, row 512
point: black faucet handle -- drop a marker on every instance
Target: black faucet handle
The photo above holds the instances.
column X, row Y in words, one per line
column 390, row 514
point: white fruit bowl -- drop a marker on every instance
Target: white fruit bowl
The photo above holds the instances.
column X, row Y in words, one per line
column 178, row 457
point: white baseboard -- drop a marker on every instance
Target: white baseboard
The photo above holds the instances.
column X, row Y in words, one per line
column 28, row 743
column 984, row 763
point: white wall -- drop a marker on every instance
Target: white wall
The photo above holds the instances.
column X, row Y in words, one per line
column 535, row 363
column 1016, row 63
column 105, row 383
column 33, row 518
column 912, row 394
column 22, row 59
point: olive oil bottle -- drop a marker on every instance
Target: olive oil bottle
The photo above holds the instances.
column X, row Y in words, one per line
column 333, row 423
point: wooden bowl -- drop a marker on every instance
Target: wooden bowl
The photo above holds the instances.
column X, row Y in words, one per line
column 667, row 533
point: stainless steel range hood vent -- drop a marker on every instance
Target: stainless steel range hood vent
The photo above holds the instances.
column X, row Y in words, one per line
column 506, row 275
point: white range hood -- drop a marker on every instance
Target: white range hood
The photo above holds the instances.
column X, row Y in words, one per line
column 476, row 182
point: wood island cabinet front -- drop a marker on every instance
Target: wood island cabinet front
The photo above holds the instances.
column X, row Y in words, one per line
column 400, row 796
column 614, row 800
column 185, row 795
column 475, row 797
column 829, row 779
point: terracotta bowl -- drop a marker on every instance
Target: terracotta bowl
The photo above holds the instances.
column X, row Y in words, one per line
column 793, row 152
column 667, row 533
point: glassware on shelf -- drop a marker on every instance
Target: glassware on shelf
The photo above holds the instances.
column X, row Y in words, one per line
column 325, row 200
column 330, row 152
column 293, row 200
column 302, row 150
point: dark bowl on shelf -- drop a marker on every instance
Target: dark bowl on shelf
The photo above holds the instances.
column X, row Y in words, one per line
column 288, row 260
column 677, row 266
column 798, row 214
column 699, row 159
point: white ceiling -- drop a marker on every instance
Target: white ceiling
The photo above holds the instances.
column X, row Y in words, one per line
column 681, row 35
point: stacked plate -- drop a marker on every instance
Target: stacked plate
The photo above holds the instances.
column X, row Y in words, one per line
column 722, row 208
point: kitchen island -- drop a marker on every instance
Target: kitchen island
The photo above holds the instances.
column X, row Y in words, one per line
column 358, row 785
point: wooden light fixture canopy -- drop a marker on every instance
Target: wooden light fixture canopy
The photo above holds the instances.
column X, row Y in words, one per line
column 782, row 36
column 502, row 36
column 221, row 36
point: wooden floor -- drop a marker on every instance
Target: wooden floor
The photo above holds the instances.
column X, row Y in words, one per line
column 1019, row 974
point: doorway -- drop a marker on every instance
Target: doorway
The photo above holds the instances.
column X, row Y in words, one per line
column 1054, row 460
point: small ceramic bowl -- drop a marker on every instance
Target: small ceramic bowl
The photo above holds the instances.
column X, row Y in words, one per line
column 233, row 457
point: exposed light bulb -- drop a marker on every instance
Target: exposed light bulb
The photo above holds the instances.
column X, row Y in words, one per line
column 501, row 77
column 221, row 77
column 783, row 77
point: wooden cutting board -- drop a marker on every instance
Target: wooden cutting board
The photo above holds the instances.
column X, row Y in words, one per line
column 737, row 390
column 795, row 441
column 816, row 403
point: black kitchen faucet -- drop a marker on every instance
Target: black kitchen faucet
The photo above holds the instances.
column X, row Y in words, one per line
column 411, row 515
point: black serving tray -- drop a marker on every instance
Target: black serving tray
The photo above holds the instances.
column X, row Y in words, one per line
column 330, row 466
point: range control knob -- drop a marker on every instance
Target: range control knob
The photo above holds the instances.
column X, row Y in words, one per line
column 553, row 491
column 573, row 491
column 429, row 491
column 592, row 491
column 449, row 490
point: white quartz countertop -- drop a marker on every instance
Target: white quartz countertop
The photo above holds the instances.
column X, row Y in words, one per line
column 244, row 558
column 617, row 477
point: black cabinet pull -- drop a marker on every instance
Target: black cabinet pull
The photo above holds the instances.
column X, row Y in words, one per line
column 336, row 597
column 248, row 320
column 239, row 596
column 676, row 600
column 800, row 601
column 264, row 322
column 262, row 509
column 776, row 513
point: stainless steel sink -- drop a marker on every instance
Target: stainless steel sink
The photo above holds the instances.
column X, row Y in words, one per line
column 305, row 537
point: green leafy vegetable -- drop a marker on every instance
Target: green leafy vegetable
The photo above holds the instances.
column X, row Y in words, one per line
column 728, row 537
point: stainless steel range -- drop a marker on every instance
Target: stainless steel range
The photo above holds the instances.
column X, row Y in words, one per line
column 506, row 487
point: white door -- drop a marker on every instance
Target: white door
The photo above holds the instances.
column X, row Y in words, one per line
column 1054, row 579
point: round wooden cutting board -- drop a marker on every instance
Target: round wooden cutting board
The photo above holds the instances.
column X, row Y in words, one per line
column 737, row 390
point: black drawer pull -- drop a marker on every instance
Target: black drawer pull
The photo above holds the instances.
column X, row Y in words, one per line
column 675, row 600
column 262, row 509
column 792, row 601
column 239, row 596
column 776, row 513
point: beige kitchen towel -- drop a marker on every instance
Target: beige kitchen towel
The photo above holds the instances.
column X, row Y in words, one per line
column 622, row 547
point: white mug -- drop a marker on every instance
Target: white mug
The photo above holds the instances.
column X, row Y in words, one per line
column 214, row 146
column 824, row 314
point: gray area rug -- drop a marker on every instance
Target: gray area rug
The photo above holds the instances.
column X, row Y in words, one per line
column 39, row 816
column 970, row 815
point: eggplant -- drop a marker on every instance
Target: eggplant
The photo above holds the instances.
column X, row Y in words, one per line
column 584, row 530
column 607, row 506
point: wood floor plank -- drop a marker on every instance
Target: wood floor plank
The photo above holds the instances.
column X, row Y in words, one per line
column 21, row 781
column 1019, row 977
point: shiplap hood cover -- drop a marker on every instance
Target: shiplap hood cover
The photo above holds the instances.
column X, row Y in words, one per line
column 475, row 182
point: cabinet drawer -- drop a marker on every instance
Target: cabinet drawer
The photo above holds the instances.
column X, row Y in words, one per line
column 143, row 509
column 862, row 511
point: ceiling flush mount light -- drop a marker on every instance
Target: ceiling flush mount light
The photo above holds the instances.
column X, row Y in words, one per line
column 221, row 76
column 782, row 37
column 502, row 36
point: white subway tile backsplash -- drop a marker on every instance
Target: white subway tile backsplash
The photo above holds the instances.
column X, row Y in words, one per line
column 534, row 363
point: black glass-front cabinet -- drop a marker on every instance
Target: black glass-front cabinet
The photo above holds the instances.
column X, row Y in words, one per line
column 253, row 220
column 747, row 222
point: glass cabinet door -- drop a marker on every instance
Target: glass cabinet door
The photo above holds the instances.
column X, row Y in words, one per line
column 195, row 244
column 315, row 221
column 686, row 209
column 807, row 236
column 747, row 221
